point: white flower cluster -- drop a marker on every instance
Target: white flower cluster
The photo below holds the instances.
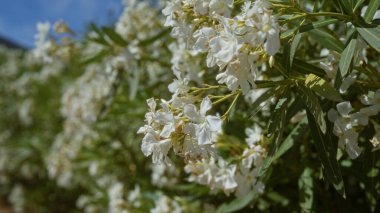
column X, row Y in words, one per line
column 137, row 21
column 235, row 44
column 189, row 131
column 347, row 124
column 186, row 62
column 16, row 198
column 81, row 106
column 239, row 178
column 117, row 203
column 164, row 176
column 166, row 205
column 43, row 43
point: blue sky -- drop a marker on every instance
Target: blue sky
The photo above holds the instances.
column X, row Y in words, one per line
column 18, row 18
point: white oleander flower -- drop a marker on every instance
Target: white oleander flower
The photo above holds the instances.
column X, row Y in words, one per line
column 240, row 73
column 170, row 11
column 262, row 27
column 375, row 141
column 217, row 174
column 222, row 7
column 202, row 171
column 344, row 124
column 179, row 85
column 254, row 135
column 203, row 37
column 186, row 64
column 331, row 64
column 224, row 47
column 154, row 145
column 192, row 150
column 372, row 99
column 347, row 82
column 201, row 7
column 225, row 176
column 247, row 180
column 207, row 127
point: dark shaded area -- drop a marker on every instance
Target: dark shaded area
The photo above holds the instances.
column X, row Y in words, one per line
column 10, row 44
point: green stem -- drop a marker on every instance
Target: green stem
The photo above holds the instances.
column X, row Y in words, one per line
column 308, row 15
column 224, row 98
column 208, row 87
column 230, row 108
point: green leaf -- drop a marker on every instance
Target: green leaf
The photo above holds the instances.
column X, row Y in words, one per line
column 327, row 39
column 276, row 130
column 154, row 38
column 317, row 24
column 290, row 52
column 290, row 140
column 323, row 88
column 371, row 10
column 372, row 36
column 327, row 154
column 338, row 4
column 281, row 69
column 370, row 175
column 259, row 103
column 307, row 68
column 288, row 33
column 305, row 186
column 96, row 29
column 100, row 35
column 358, row 4
column 347, row 6
column 114, row 36
column 96, row 57
column 238, row 203
column 346, row 57
column 275, row 121
column 312, row 103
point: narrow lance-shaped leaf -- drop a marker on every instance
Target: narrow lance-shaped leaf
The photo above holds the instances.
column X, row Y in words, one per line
column 275, row 130
column 312, row 103
column 306, row 195
column 322, row 87
column 114, row 36
column 358, row 4
column 317, row 24
column 327, row 154
column 371, row 10
column 347, row 56
column 306, row 68
column 260, row 102
column 155, row 37
column 95, row 57
column 274, row 123
column 100, row 35
column 371, row 36
column 238, row 203
column 347, row 6
column 327, row 39
column 291, row 139
column 291, row 52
